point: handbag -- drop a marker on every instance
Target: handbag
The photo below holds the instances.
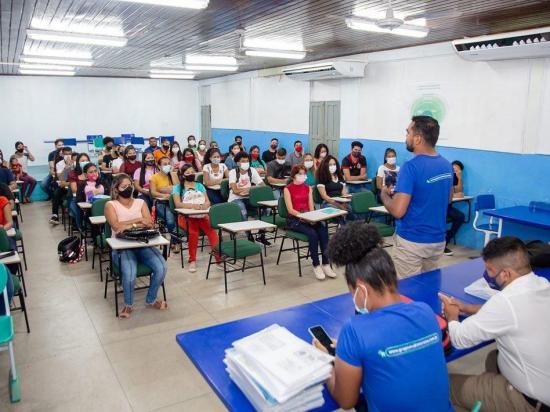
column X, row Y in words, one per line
column 138, row 234
column 539, row 253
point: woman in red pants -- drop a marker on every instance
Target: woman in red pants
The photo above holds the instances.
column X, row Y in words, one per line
column 189, row 194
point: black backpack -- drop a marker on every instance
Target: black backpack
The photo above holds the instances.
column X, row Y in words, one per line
column 70, row 250
column 539, row 253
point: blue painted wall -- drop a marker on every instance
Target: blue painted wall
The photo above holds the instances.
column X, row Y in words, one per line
column 514, row 179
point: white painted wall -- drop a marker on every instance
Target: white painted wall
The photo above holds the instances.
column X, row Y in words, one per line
column 490, row 105
column 34, row 109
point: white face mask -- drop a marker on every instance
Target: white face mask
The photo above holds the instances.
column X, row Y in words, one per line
column 281, row 161
column 391, row 160
column 364, row 310
column 332, row 169
column 175, row 149
column 191, row 142
column 166, row 169
column 322, row 155
column 202, row 146
column 216, row 160
column 300, row 179
column 308, row 164
column 245, row 166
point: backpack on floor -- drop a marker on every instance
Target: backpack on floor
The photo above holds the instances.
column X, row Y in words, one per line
column 539, row 253
column 70, row 250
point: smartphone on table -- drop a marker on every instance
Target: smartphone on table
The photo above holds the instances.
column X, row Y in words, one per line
column 321, row 335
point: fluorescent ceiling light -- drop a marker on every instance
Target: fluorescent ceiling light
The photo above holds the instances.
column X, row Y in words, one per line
column 187, row 4
column 280, row 54
column 42, row 60
column 199, row 68
column 45, row 67
column 207, row 59
column 172, row 76
column 403, row 30
column 65, row 37
column 262, row 43
column 169, row 71
column 62, row 53
column 47, row 72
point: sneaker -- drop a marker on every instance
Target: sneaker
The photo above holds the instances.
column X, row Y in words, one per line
column 328, row 271
column 318, row 272
column 447, row 251
column 54, row 220
column 263, row 240
column 192, row 267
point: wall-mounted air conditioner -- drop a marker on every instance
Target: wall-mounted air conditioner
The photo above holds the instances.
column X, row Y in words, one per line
column 524, row 44
column 337, row 69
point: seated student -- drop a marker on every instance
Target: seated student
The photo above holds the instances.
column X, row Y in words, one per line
column 201, row 151
column 214, row 145
column 189, row 194
column 77, row 179
column 46, row 183
column 271, row 153
column 517, row 378
column 455, row 216
column 330, row 183
column 176, row 155
column 234, row 149
column 92, row 187
column 6, row 176
column 189, row 158
column 130, row 164
column 354, row 167
column 308, row 163
column 299, row 199
column 6, row 223
column 278, row 171
column 163, row 150
column 389, row 168
column 28, row 182
column 160, row 186
column 256, row 162
column 23, row 156
column 63, row 166
column 152, row 145
column 214, row 171
column 191, row 142
column 297, row 156
column 321, row 152
column 108, row 143
column 112, row 161
column 124, row 212
column 415, row 379
column 142, row 177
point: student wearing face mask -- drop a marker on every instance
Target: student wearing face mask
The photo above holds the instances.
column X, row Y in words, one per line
column 163, row 150
column 201, row 151
column 297, row 156
column 271, row 153
column 517, row 376
column 189, row 158
column 142, row 177
column 124, row 212
column 278, row 171
column 176, row 155
column 6, row 176
column 189, row 194
column 256, row 162
column 321, row 151
column 299, row 199
column 92, row 187
column 106, row 164
column 239, row 141
column 389, row 168
column 131, row 164
column 23, row 157
column 330, row 183
column 415, row 379
column 191, row 142
column 241, row 180
column 354, row 167
column 108, row 143
column 46, row 183
column 214, row 171
column 152, row 145
column 309, row 165
column 234, row 150
column 160, row 186
column 63, row 166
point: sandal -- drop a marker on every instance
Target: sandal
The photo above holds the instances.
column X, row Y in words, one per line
column 157, row 304
column 125, row 313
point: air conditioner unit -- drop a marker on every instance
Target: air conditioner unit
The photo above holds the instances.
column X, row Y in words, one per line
column 524, row 44
column 338, row 69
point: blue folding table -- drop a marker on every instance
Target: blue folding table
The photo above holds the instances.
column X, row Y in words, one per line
column 525, row 222
column 206, row 347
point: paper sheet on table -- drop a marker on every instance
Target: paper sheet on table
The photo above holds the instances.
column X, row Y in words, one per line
column 480, row 289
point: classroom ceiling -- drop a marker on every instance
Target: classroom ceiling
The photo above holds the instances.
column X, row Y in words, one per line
column 166, row 34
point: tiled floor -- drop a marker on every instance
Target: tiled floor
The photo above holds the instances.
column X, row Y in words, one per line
column 79, row 357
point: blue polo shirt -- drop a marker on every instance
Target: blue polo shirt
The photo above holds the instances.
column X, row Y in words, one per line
column 399, row 349
column 428, row 180
column 6, row 176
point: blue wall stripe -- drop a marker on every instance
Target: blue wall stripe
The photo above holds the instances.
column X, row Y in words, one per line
column 514, row 179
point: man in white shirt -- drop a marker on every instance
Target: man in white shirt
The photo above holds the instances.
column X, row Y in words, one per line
column 518, row 319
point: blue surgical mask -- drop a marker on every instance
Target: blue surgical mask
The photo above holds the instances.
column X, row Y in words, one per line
column 363, row 310
column 492, row 281
column 82, row 164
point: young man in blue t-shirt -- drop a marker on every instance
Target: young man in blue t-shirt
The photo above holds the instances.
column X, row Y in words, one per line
column 420, row 200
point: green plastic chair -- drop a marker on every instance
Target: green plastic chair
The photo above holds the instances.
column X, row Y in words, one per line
column 234, row 249
column 477, row 407
column 6, row 338
column 200, row 178
column 296, row 238
column 361, row 202
column 263, row 193
column 317, row 199
column 99, row 244
column 224, row 189
column 5, row 246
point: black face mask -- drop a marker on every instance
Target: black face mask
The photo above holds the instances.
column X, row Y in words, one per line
column 20, row 150
column 189, row 178
column 126, row 193
column 150, row 162
column 131, row 157
column 166, row 146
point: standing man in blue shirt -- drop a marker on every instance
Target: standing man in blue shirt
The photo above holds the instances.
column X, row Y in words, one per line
column 420, row 200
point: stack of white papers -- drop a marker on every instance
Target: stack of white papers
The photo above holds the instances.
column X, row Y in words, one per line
column 278, row 371
column 480, row 289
